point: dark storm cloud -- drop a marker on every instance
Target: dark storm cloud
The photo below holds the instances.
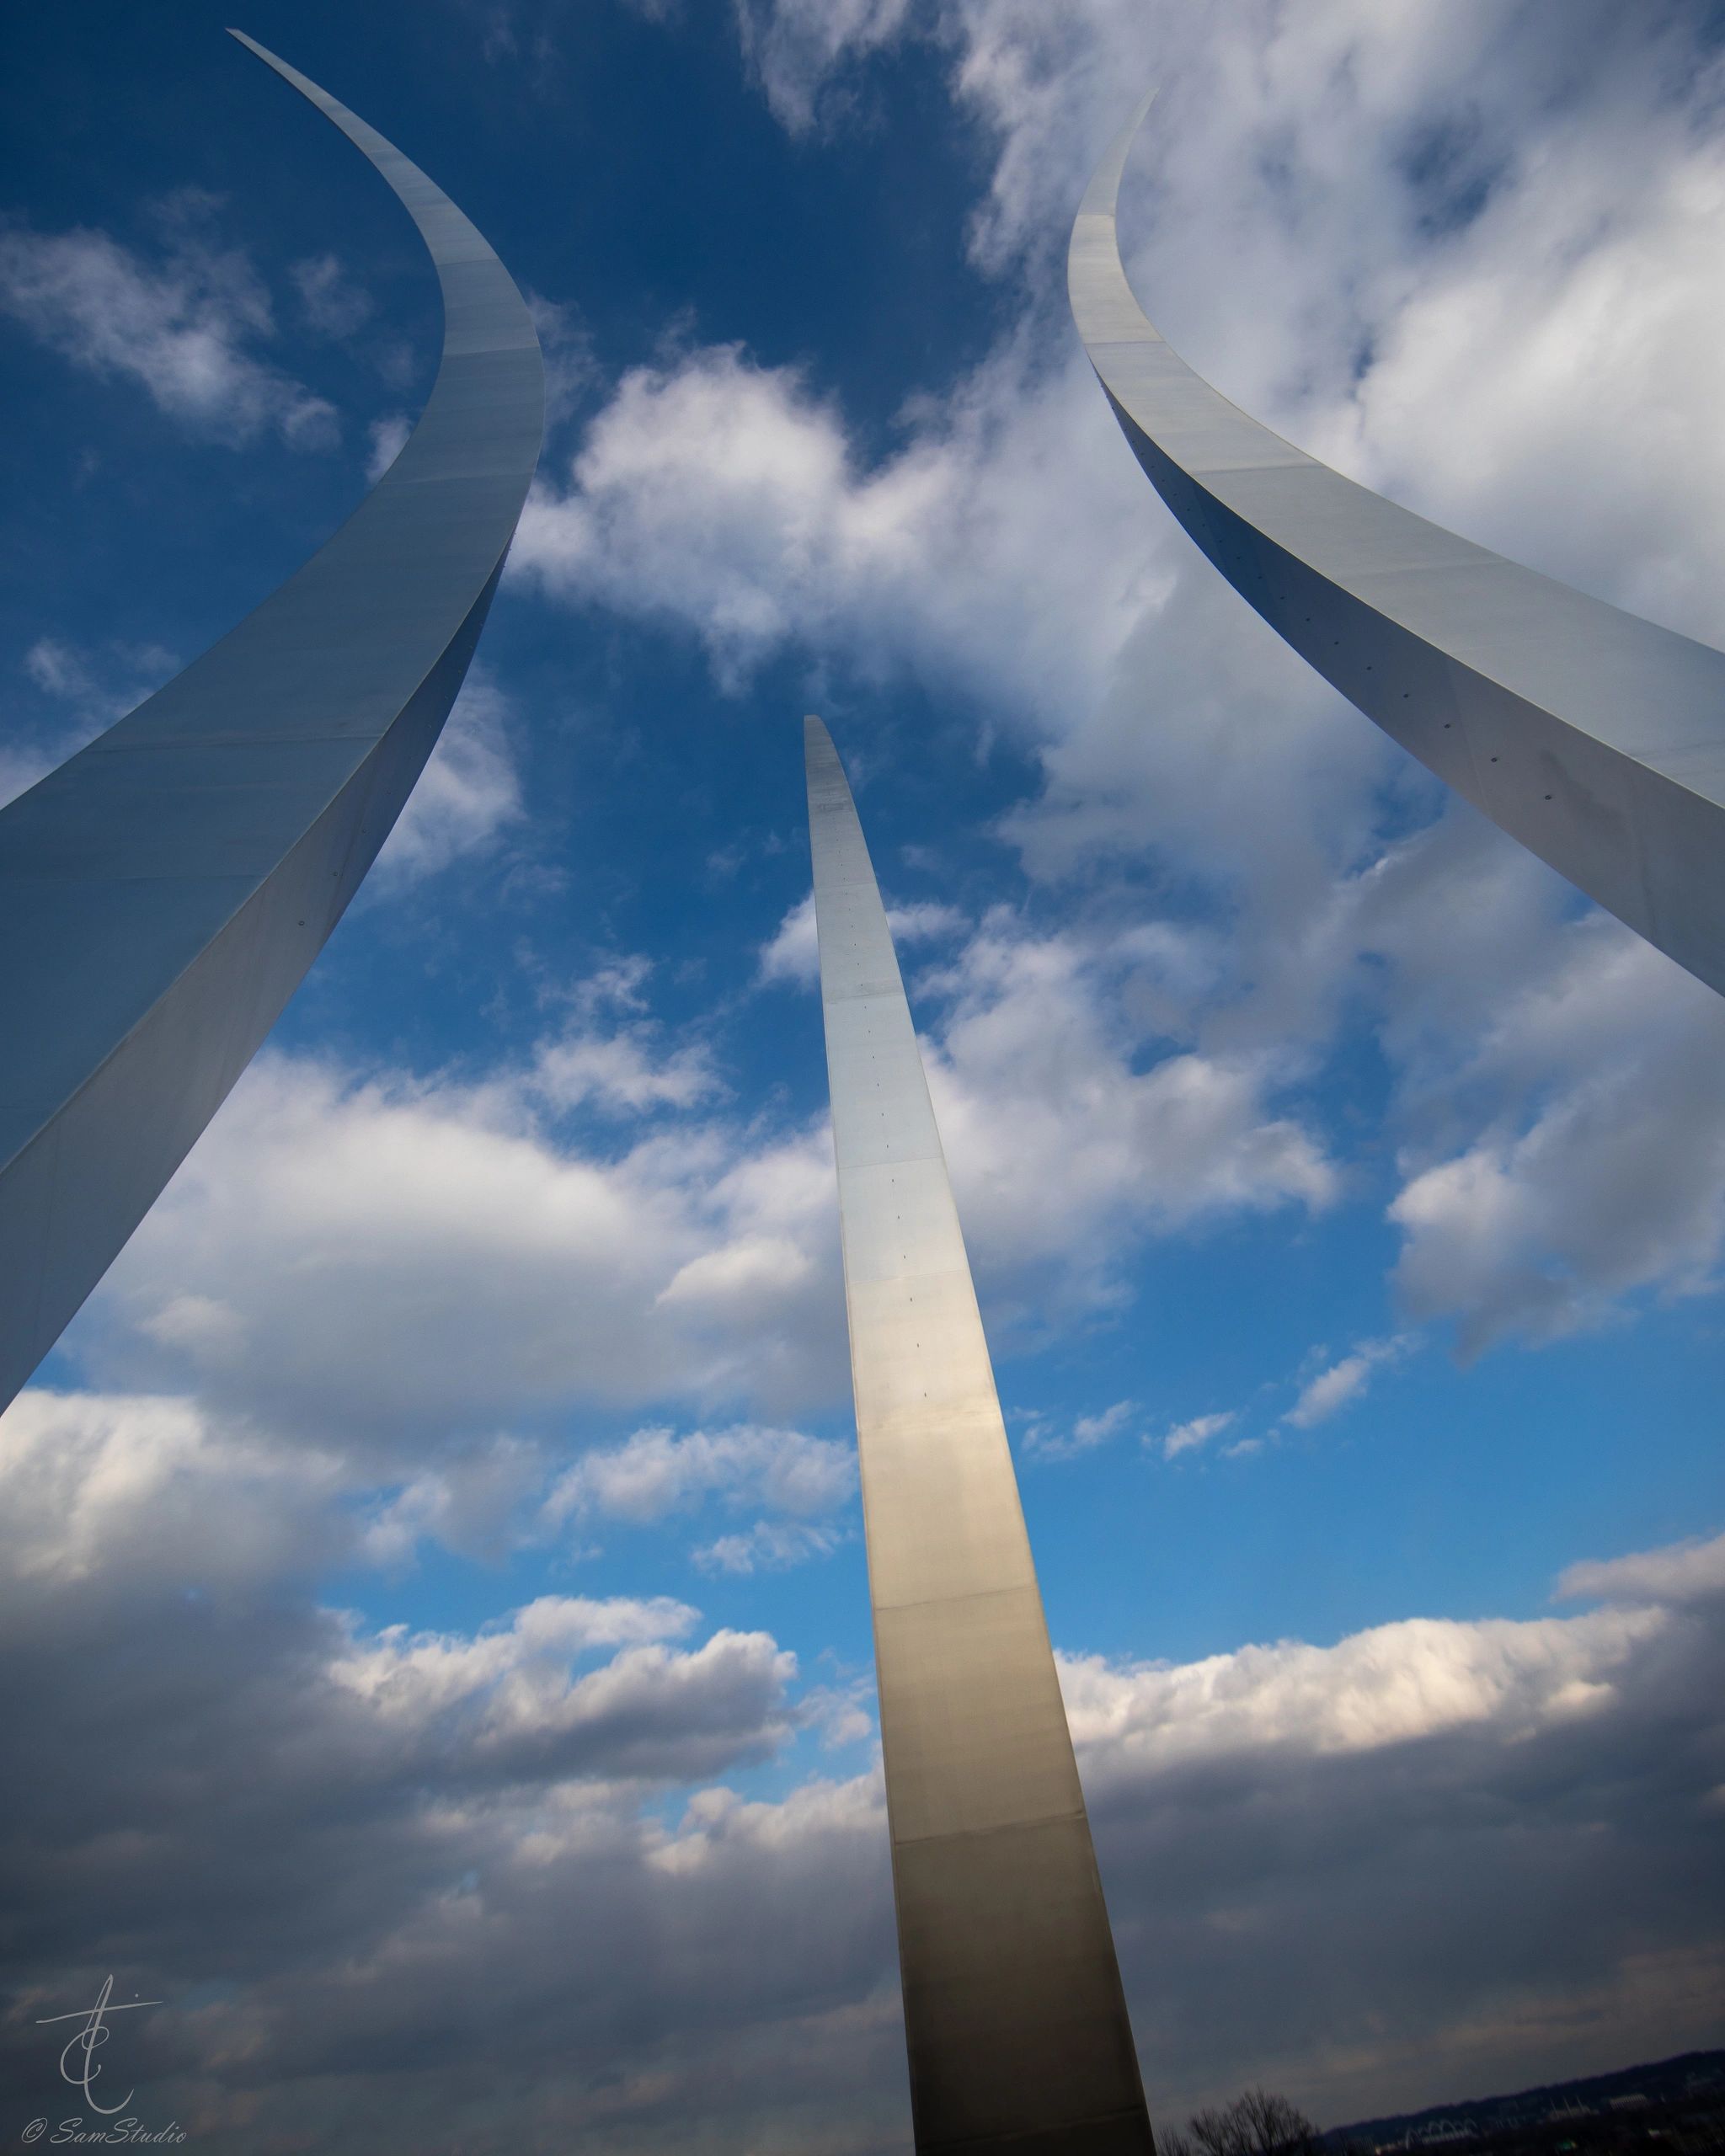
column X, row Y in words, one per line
column 402, row 1890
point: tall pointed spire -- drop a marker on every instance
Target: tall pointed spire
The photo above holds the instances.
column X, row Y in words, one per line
column 1015, row 2018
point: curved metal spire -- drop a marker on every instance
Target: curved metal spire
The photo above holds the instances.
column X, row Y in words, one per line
column 1594, row 738
column 163, row 892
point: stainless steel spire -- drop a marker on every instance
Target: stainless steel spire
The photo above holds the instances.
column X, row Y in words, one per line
column 163, row 892
column 1014, row 2016
column 1592, row 736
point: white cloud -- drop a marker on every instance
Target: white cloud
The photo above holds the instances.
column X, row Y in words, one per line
column 792, row 47
column 1603, row 1171
column 793, row 954
column 1523, row 346
column 415, row 1675
column 1097, row 1429
column 654, row 1472
column 203, row 1324
column 1473, row 1845
column 566, row 350
column 1392, row 1685
column 388, row 437
column 103, row 682
column 769, row 1546
column 180, row 327
column 481, row 1500
column 510, row 1701
column 1686, row 1571
column 1061, row 1139
column 118, row 1490
column 465, row 1259
column 1087, row 1433
column 926, row 922
column 331, row 302
column 1187, row 1437
column 468, row 792
column 88, row 686
column 1430, row 172
column 1329, row 1389
column 591, row 1226
column 51, row 665
column 622, row 1072
column 737, row 1273
column 1001, row 549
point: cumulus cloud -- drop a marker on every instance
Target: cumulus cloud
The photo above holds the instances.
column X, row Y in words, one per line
column 1687, row 1572
column 1380, row 1868
column 1000, row 551
column 1074, row 1116
column 1521, row 342
column 594, row 1225
column 1427, row 1849
column 1008, row 549
column 1170, row 725
column 509, row 1704
column 624, row 1072
column 182, row 326
column 1075, row 1113
column 1436, row 176
column 1603, row 1172
column 1392, row 1685
column 467, row 1255
column 1061, row 1137
column 110, row 1494
column 330, row 1822
column 794, row 952
column 1278, row 1793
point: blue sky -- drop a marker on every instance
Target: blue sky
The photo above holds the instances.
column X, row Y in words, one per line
column 1346, row 1199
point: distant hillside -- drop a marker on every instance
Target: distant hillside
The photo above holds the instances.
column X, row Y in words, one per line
column 1694, row 2074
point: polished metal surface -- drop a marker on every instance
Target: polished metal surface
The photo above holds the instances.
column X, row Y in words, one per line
column 1594, row 738
column 163, row 892
column 1014, row 2014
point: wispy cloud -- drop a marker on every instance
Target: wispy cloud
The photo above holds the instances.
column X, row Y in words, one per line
column 1341, row 1382
column 655, row 1473
column 468, row 792
column 1047, row 1442
column 333, row 306
column 1187, row 1437
column 769, row 1546
column 182, row 325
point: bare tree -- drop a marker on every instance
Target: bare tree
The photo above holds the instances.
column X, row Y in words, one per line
column 1256, row 2124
